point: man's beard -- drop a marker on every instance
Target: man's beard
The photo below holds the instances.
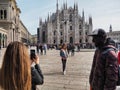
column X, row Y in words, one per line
column 99, row 45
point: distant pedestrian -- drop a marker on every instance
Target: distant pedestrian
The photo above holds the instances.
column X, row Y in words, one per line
column 37, row 48
column 41, row 49
column 72, row 50
column 104, row 71
column 64, row 56
column 68, row 48
column 45, row 48
column 78, row 47
column 15, row 73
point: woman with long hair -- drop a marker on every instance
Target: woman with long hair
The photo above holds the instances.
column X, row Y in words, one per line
column 15, row 73
column 64, row 55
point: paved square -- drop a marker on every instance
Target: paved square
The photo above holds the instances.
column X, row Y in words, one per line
column 77, row 71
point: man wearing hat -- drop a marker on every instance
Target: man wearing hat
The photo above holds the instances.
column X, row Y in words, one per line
column 104, row 71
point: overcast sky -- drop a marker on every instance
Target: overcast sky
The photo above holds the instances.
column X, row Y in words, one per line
column 103, row 12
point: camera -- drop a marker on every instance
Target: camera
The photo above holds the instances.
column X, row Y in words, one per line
column 32, row 54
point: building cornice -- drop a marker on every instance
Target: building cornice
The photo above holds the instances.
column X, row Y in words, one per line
column 14, row 1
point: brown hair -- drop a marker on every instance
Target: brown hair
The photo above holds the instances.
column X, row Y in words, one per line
column 64, row 46
column 15, row 72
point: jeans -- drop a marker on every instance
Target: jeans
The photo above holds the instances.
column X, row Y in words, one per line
column 64, row 64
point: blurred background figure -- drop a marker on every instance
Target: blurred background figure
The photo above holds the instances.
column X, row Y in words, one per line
column 45, row 48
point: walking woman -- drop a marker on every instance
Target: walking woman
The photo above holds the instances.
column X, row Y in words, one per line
column 15, row 73
column 64, row 55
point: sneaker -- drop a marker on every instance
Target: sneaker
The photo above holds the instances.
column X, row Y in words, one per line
column 64, row 72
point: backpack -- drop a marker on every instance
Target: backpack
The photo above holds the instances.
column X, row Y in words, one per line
column 106, row 51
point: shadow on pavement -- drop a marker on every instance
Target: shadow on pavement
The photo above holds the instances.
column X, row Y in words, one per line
column 53, row 73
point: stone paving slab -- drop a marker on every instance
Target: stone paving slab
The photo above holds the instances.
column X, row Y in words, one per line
column 78, row 69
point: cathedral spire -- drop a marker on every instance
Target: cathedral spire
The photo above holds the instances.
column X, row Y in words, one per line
column 48, row 19
column 45, row 21
column 64, row 7
column 83, row 17
column 76, row 5
column 57, row 6
column 90, row 20
column 110, row 29
column 66, row 4
column 40, row 21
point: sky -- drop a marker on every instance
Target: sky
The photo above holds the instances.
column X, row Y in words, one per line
column 104, row 12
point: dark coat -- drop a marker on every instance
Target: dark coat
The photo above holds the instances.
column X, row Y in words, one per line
column 104, row 72
column 37, row 76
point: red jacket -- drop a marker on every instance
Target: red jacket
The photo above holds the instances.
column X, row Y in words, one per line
column 119, row 57
column 104, row 72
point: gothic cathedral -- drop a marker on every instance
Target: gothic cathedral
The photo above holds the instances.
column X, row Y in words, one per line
column 66, row 25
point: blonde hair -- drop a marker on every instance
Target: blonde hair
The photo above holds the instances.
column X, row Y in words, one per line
column 15, row 73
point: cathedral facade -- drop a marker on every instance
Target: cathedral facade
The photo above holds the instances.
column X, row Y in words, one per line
column 66, row 25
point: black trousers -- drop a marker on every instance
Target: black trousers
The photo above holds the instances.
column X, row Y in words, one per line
column 64, row 64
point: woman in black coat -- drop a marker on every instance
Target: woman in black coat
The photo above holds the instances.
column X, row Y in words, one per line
column 37, row 76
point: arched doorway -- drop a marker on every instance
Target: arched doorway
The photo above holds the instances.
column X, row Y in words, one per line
column 71, row 39
column 43, row 39
column 61, row 41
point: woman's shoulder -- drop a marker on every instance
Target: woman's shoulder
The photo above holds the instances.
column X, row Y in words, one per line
column 62, row 50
